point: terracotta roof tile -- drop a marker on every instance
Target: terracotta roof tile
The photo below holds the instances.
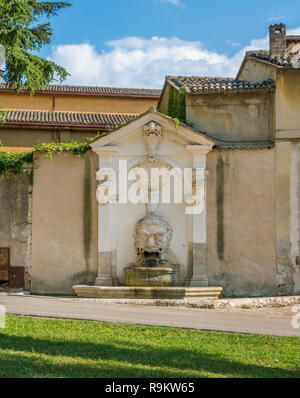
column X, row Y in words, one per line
column 212, row 85
column 288, row 60
column 246, row 145
column 93, row 90
column 75, row 119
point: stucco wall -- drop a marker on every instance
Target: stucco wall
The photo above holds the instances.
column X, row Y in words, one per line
column 241, row 238
column 257, row 71
column 288, row 216
column 287, row 104
column 15, row 224
column 79, row 103
column 29, row 137
column 288, row 181
column 234, row 117
column 164, row 100
column 64, row 233
column 241, row 241
column 10, row 100
column 76, row 103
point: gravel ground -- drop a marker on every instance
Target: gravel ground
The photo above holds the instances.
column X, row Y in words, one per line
column 273, row 311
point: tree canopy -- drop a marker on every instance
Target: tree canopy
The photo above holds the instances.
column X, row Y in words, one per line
column 23, row 34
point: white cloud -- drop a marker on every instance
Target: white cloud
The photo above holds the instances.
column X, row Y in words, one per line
column 139, row 62
column 174, row 2
column 273, row 19
column 233, row 43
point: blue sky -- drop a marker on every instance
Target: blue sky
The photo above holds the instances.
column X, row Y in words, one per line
column 137, row 42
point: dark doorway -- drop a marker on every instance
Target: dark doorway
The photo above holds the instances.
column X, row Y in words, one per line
column 10, row 277
column 4, row 266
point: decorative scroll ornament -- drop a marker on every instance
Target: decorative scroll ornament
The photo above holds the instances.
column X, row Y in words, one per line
column 152, row 138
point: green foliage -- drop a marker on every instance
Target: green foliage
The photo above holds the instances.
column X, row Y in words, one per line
column 50, row 148
column 177, row 121
column 13, row 163
column 2, row 116
column 98, row 135
column 177, row 104
column 181, row 109
column 171, row 108
column 60, row 348
column 23, row 36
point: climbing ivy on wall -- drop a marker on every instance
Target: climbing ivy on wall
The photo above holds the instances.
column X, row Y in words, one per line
column 13, row 163
column 18, row 163
column 177, row 104
column 74, row 147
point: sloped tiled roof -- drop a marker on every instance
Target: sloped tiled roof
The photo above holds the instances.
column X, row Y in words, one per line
column 93, row 90
column 288, row 60
column 246, row 145
column 65, row 119
column 212, row 85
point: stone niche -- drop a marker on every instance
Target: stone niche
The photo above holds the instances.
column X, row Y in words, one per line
column 157, row 241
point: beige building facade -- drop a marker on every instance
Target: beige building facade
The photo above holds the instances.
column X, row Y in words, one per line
column 242, row 135
column 63, row 113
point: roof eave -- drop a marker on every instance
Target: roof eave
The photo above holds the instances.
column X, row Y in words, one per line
column 41, row 92
column 58, row 125
column 228, row 92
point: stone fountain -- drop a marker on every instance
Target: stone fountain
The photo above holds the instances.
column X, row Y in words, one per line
column 164, row 256
column 152, row 240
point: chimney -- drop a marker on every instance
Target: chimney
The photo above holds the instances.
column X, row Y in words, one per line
column 277, row 40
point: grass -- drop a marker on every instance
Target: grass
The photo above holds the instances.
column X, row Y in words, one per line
column 32, row 347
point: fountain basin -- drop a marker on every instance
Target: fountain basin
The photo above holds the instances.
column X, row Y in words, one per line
column 151, row 276
column 123, row 292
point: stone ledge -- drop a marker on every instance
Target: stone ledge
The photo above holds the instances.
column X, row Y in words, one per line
column 208, row 293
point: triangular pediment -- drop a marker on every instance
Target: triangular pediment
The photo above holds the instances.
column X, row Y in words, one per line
column 192, row 136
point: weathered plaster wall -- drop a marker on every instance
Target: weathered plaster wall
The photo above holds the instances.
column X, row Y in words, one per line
column 76, row 103
column 64, row 233
column 164, row 100
column 79, row 103
column 15, row 223
column 29, row 137
column 234, row 117
column 288, row 216
column 10, row 100
column 257, row 71
column 241, row 253
column 287, row 104
column 288, row 181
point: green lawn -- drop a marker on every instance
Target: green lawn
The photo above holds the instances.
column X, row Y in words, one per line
column 31, row 347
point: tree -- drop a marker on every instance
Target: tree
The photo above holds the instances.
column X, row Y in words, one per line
column 23, row 35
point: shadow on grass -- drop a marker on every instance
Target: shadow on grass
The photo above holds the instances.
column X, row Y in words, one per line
column 175, row 361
